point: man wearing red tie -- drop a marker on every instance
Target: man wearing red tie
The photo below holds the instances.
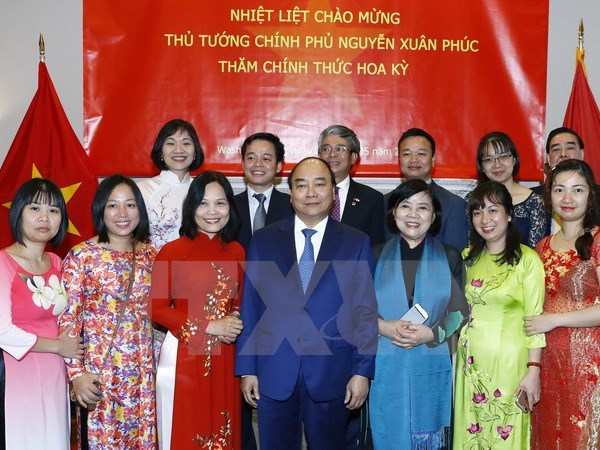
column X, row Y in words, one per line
column 354, row 204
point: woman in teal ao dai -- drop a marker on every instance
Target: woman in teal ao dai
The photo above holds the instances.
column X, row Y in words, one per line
column 411, row 394
column 495, row 357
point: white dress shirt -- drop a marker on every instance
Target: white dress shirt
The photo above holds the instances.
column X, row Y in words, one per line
column 316, row 238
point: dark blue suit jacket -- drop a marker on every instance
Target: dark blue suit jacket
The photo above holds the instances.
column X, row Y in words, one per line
column 364, row 211
column 279, row 208
column 455, row 226
column 331, row 330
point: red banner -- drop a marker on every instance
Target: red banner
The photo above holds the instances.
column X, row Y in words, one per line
column 458, row 69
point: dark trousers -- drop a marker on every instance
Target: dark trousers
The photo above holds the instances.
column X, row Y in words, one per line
column 280, row 422
column 248, row 438
column 358, row 434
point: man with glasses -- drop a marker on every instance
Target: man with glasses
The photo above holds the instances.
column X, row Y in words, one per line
column 356, row 204
column 416, row 154
column 361, row 207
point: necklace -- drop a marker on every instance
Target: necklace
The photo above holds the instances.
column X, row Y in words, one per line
column 31, row 268
column 562, row 235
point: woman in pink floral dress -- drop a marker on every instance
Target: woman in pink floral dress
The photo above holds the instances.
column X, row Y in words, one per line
column 115, row 380
column 35, row 402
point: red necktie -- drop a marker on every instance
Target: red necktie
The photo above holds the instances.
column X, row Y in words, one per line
column 335, row 206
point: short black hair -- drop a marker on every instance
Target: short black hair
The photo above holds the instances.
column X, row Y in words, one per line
column 406, row 190
column 501, row 143
column 43, row 192
column 561, row 130
column 418, row 132
column 168, row 130
column 141, row 233
column 189, row 227
column 291, row 175
column 269, row 137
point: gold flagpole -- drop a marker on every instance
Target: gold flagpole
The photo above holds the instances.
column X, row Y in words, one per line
column 42, row 48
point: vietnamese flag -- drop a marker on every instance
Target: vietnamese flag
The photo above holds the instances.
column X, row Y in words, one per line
column 583, row 116
column 46, row 147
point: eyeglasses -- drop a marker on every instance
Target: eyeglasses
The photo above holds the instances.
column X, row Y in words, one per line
column 337, row 149
column 501, row 158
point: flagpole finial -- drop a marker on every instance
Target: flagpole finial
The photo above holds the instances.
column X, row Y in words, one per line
column 580, row 35
column 42, row 48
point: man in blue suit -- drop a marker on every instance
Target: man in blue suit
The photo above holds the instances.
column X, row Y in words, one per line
column 262, row 158
column 307, row 350
column 416, row 154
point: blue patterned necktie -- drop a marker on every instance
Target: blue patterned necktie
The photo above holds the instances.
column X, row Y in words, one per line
column 260, row 216
column 307, row 259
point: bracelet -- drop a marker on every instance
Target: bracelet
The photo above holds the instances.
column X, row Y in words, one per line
column 534, row 363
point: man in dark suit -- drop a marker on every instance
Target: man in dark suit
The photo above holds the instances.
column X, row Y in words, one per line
column 361, row 207
column 416, row 154
column 307, row 350
column 358, row 205
column 260, row 204
column 262, row 158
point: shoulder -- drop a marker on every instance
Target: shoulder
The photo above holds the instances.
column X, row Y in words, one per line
column 83, row 248
column 443, row 193
column 364, row 189
column 5, row 258
column 280, row 196
column 452, row 253
column 540, row 189
column 147, row 250
column 148, row 185
column 529, row 256
column 241, row 196
column 173, row 248
column 274, row 229
column 54, row 259
column 534, row 200
column 236, row 250
column 542, row 244
column 350, row 233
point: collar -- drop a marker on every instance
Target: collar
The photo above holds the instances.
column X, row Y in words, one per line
column 319, row 228
column 169, row 177
column 267, row 193
column 344, row 185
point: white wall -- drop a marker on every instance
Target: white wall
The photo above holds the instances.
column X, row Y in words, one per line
column 61, row 22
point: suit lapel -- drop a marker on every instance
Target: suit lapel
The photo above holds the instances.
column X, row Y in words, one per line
column 352, row 200
column 327, row 253
column 287, row 247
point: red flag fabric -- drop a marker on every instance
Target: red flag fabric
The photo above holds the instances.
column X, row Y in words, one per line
column 583, row 116
column 46, row 147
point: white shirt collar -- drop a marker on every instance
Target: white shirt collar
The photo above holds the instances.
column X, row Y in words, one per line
column 319, row 228
column 267, row 193
column 344, row 185
column 169, row 177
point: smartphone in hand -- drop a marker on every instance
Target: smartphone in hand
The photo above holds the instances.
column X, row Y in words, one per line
column 521, row 400
column 416, row 314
